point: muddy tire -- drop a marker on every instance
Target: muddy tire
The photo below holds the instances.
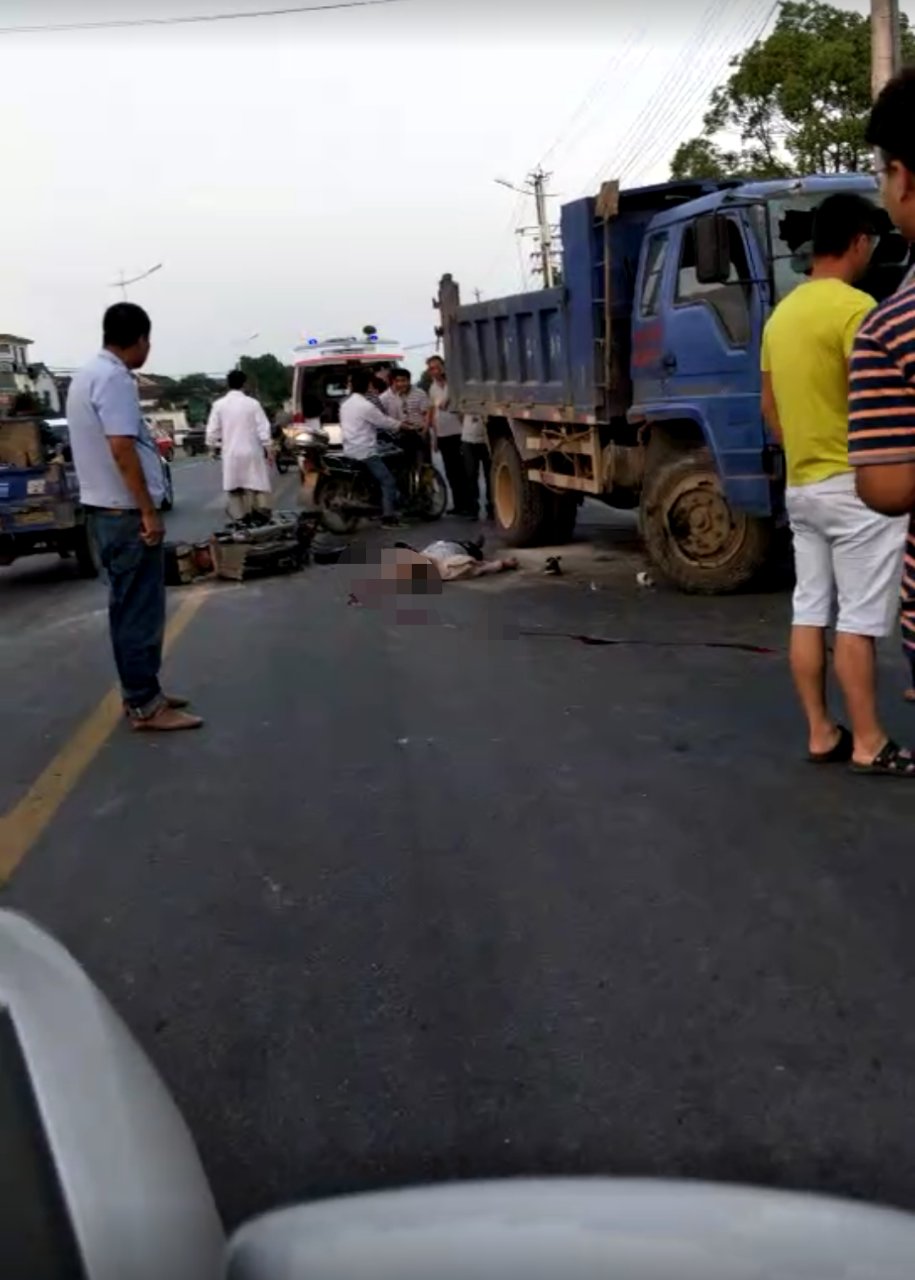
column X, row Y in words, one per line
column 692, row 535
column 521, row 508
column 88, row 564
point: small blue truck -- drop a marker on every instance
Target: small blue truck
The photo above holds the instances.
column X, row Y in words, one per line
column 636, row 381
column 40, row 510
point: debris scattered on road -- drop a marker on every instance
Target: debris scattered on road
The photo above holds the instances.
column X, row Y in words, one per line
column 553, row 567
column 263, row 543
column 644, row 579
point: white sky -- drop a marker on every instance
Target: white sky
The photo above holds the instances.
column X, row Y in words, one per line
column 311, row 174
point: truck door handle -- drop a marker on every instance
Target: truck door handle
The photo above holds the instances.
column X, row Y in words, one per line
column 668, row 362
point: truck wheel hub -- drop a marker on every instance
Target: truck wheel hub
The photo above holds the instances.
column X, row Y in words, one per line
column 702, row 524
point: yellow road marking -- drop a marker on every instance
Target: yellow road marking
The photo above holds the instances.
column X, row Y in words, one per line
column 22, row 826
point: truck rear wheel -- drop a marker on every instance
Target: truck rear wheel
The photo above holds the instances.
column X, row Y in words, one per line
column 521, row 508
column 692, row 534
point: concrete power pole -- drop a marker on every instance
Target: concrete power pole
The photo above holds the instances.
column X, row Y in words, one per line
column 538, row 180
column 885, row 49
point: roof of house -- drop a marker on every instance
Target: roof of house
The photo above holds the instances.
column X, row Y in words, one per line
column 11, row 337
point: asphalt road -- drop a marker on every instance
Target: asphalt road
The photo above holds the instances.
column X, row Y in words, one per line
column 467, row 896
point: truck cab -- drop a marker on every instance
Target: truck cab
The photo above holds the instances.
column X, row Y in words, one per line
column 638, row 383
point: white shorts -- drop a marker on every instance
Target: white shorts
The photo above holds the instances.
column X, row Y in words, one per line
column 843, row 549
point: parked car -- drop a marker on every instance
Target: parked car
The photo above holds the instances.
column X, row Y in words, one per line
column 163, row 438
column 61, row 432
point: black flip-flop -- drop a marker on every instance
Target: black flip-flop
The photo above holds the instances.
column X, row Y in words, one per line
column 892, row 762
column 841, row 753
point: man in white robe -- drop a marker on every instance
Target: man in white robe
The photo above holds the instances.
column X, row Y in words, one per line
column 239, row 425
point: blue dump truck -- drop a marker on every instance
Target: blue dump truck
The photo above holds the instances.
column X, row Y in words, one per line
column 636, row 381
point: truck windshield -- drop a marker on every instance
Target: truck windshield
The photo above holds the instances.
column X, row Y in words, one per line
column 791, row 230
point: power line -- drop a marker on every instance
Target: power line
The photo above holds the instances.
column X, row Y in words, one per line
column 657, row 104
column 110, row 23
column 653, row 154
column 594, row 90
column 684, row 104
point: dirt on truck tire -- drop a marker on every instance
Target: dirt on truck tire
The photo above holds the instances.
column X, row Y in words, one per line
column 692, row 535
column 521, row 507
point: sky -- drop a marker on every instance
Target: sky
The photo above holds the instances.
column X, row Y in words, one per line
column 309, row 174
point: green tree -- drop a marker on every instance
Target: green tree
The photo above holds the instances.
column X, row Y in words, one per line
column 268, row 379
column 702, row 158
column 798, row 101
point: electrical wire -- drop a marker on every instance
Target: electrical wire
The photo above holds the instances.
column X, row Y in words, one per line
column 659, row 102
column 686, row 101
column 508, row 229
column 111, row 23
column 593, row 92
column 620, row 90
column 751, row 32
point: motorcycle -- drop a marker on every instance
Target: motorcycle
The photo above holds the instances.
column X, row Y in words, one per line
column 286, row 454
column 346, row 491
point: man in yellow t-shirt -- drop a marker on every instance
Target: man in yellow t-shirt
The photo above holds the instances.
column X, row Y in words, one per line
column 840, row 545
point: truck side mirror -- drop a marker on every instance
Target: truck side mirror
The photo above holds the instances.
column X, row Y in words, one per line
column 713, row 249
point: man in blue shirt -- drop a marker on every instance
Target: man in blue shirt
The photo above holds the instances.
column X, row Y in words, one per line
column 121, row 486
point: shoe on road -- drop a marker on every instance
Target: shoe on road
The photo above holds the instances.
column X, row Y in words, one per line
column 167, row 720
column 171, row 700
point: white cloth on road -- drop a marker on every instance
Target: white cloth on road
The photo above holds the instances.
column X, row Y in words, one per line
column 359, row 423
column 239, row 424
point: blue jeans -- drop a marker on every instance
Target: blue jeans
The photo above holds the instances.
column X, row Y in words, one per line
column 386, row 482
column 136, row 605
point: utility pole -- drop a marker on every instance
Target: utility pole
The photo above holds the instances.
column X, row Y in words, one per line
column 885, row 46
column 538, row 181
column 535, row 185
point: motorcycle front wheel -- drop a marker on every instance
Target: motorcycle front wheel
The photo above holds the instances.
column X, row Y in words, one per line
column 431, row 494
column 333, row 498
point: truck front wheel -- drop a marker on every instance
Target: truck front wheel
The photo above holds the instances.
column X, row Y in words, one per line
column 521, row 509
column 692, row 534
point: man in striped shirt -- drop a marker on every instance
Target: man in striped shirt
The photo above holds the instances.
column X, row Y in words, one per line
column 881, row 443
column 411, row 407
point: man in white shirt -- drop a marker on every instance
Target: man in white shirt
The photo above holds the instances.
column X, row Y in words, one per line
column 239, row 424
column 446, row 431
column 359, row 424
